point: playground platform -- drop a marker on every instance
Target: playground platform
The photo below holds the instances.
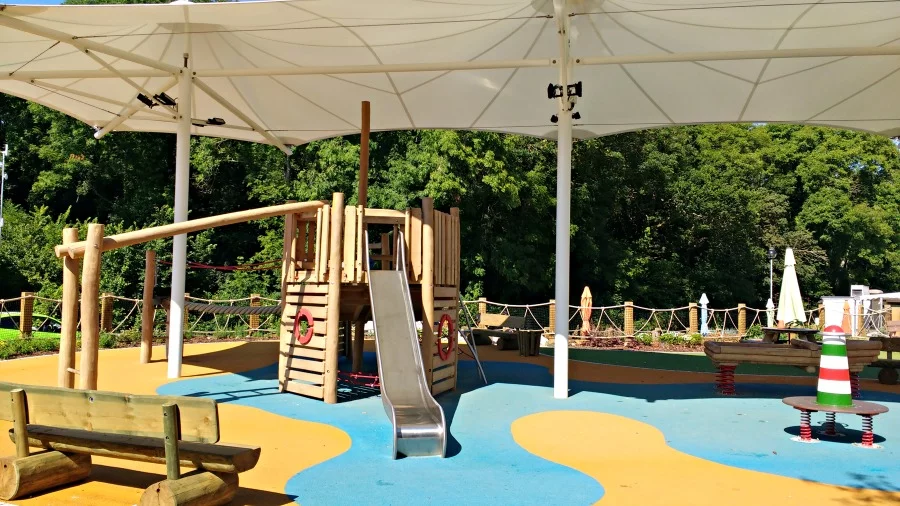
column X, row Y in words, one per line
column 638, row 428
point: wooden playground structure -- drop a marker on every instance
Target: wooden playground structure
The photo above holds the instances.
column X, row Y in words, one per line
column 323, row 283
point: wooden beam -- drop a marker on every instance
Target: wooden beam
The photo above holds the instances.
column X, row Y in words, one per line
column 20, row 421
column 148, row 309
column 171, row 427
column 77, row 249
column 364, row 155
column 334, row 299
column 428, row 347
column 90, row 312
column 64, row 377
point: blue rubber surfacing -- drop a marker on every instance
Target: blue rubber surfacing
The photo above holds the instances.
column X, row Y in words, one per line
column 485, row 465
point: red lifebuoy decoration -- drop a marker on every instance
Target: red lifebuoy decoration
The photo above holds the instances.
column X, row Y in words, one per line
column 441, row 351
column 306, row 338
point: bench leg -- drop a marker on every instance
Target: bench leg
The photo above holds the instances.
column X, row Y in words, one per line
column 201, row 488
column 24, row 476
column 868, row 436
column 725, row 379
column 805, row 428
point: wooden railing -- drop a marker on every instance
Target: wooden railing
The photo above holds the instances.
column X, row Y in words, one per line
column 307, row 237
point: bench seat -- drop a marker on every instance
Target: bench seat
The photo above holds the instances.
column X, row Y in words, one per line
column 218, row 457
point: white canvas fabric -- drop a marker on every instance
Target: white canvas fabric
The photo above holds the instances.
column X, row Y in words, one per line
column 790, row 301
column 132, row 47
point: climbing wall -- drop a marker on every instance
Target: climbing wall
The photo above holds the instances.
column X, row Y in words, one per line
column 301, row 364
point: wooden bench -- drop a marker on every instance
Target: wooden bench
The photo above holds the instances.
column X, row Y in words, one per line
column 726, row 356
column 501, row 326
column 71, row 425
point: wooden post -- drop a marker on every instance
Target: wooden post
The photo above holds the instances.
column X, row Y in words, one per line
column 895, row 314
column 359, row 336
column 482, row 308
column 364, row 155
column 148, row 310
column 287, row 263
column 428, row 288
column 254, row 318
column 65, row 377
column 184, row 326
column 552, row 318
column 742, row 319
column 26, row 318
column 20, row 421
column 859, row 319
column 171, row 427
column 693, row 319
column 90, row 317
column 629, row 319
column 106, row 308
column 385, row 252
column 333, row 312
column 821, row 316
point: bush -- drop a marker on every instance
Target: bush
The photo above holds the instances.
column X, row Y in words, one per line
column 644, row 339
column 696, row 340
column 755, row 332
column 670, row 338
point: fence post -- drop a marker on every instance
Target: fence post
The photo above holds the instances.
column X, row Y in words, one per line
column 148, row 309
column 629, row 318
column 184, row 326
column 742, row 319
column 106, row 307
column 482, row 307
column 552, row 323
column 26, row 315
column 692, row 320
column 821, row 316
column 254, row 318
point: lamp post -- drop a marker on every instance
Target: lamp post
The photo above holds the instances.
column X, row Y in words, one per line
column 771, row 254
column 770, row 305
column 3, row 155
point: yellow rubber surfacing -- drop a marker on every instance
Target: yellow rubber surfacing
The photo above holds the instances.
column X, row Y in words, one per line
column 635, row 466
column 288, row 445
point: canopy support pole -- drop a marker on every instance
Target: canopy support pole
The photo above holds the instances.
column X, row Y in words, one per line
column 563, row 204
column 179, row 242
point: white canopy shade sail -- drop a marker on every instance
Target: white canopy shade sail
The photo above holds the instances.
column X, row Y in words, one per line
column 287, row 72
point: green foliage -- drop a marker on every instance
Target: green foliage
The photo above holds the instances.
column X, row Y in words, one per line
column 755, row 332
column 670, row 338
column 695, row 340
column 644, row 339
column 658, row 216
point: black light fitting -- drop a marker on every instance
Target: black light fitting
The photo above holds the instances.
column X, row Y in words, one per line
column 164, row 99
column 144, row 99
column 215, row 121
column 554, row 91
column 574, row 89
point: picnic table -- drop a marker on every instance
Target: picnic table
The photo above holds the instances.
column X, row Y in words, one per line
column 773, row 334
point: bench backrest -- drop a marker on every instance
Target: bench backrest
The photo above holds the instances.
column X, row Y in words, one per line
column 502, row 320
column 92, row 410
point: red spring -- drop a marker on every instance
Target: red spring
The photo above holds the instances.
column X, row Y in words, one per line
column 805, row 429
column 725, row 379
column 829, row 425
column 854, row 385
column 868, row 437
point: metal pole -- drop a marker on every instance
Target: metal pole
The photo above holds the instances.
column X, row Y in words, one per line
column 771, row 287
column 2, row 183
column 563, row 203
column 179, row 242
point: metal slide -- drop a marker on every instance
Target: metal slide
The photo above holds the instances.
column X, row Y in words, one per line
column 420, row 428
